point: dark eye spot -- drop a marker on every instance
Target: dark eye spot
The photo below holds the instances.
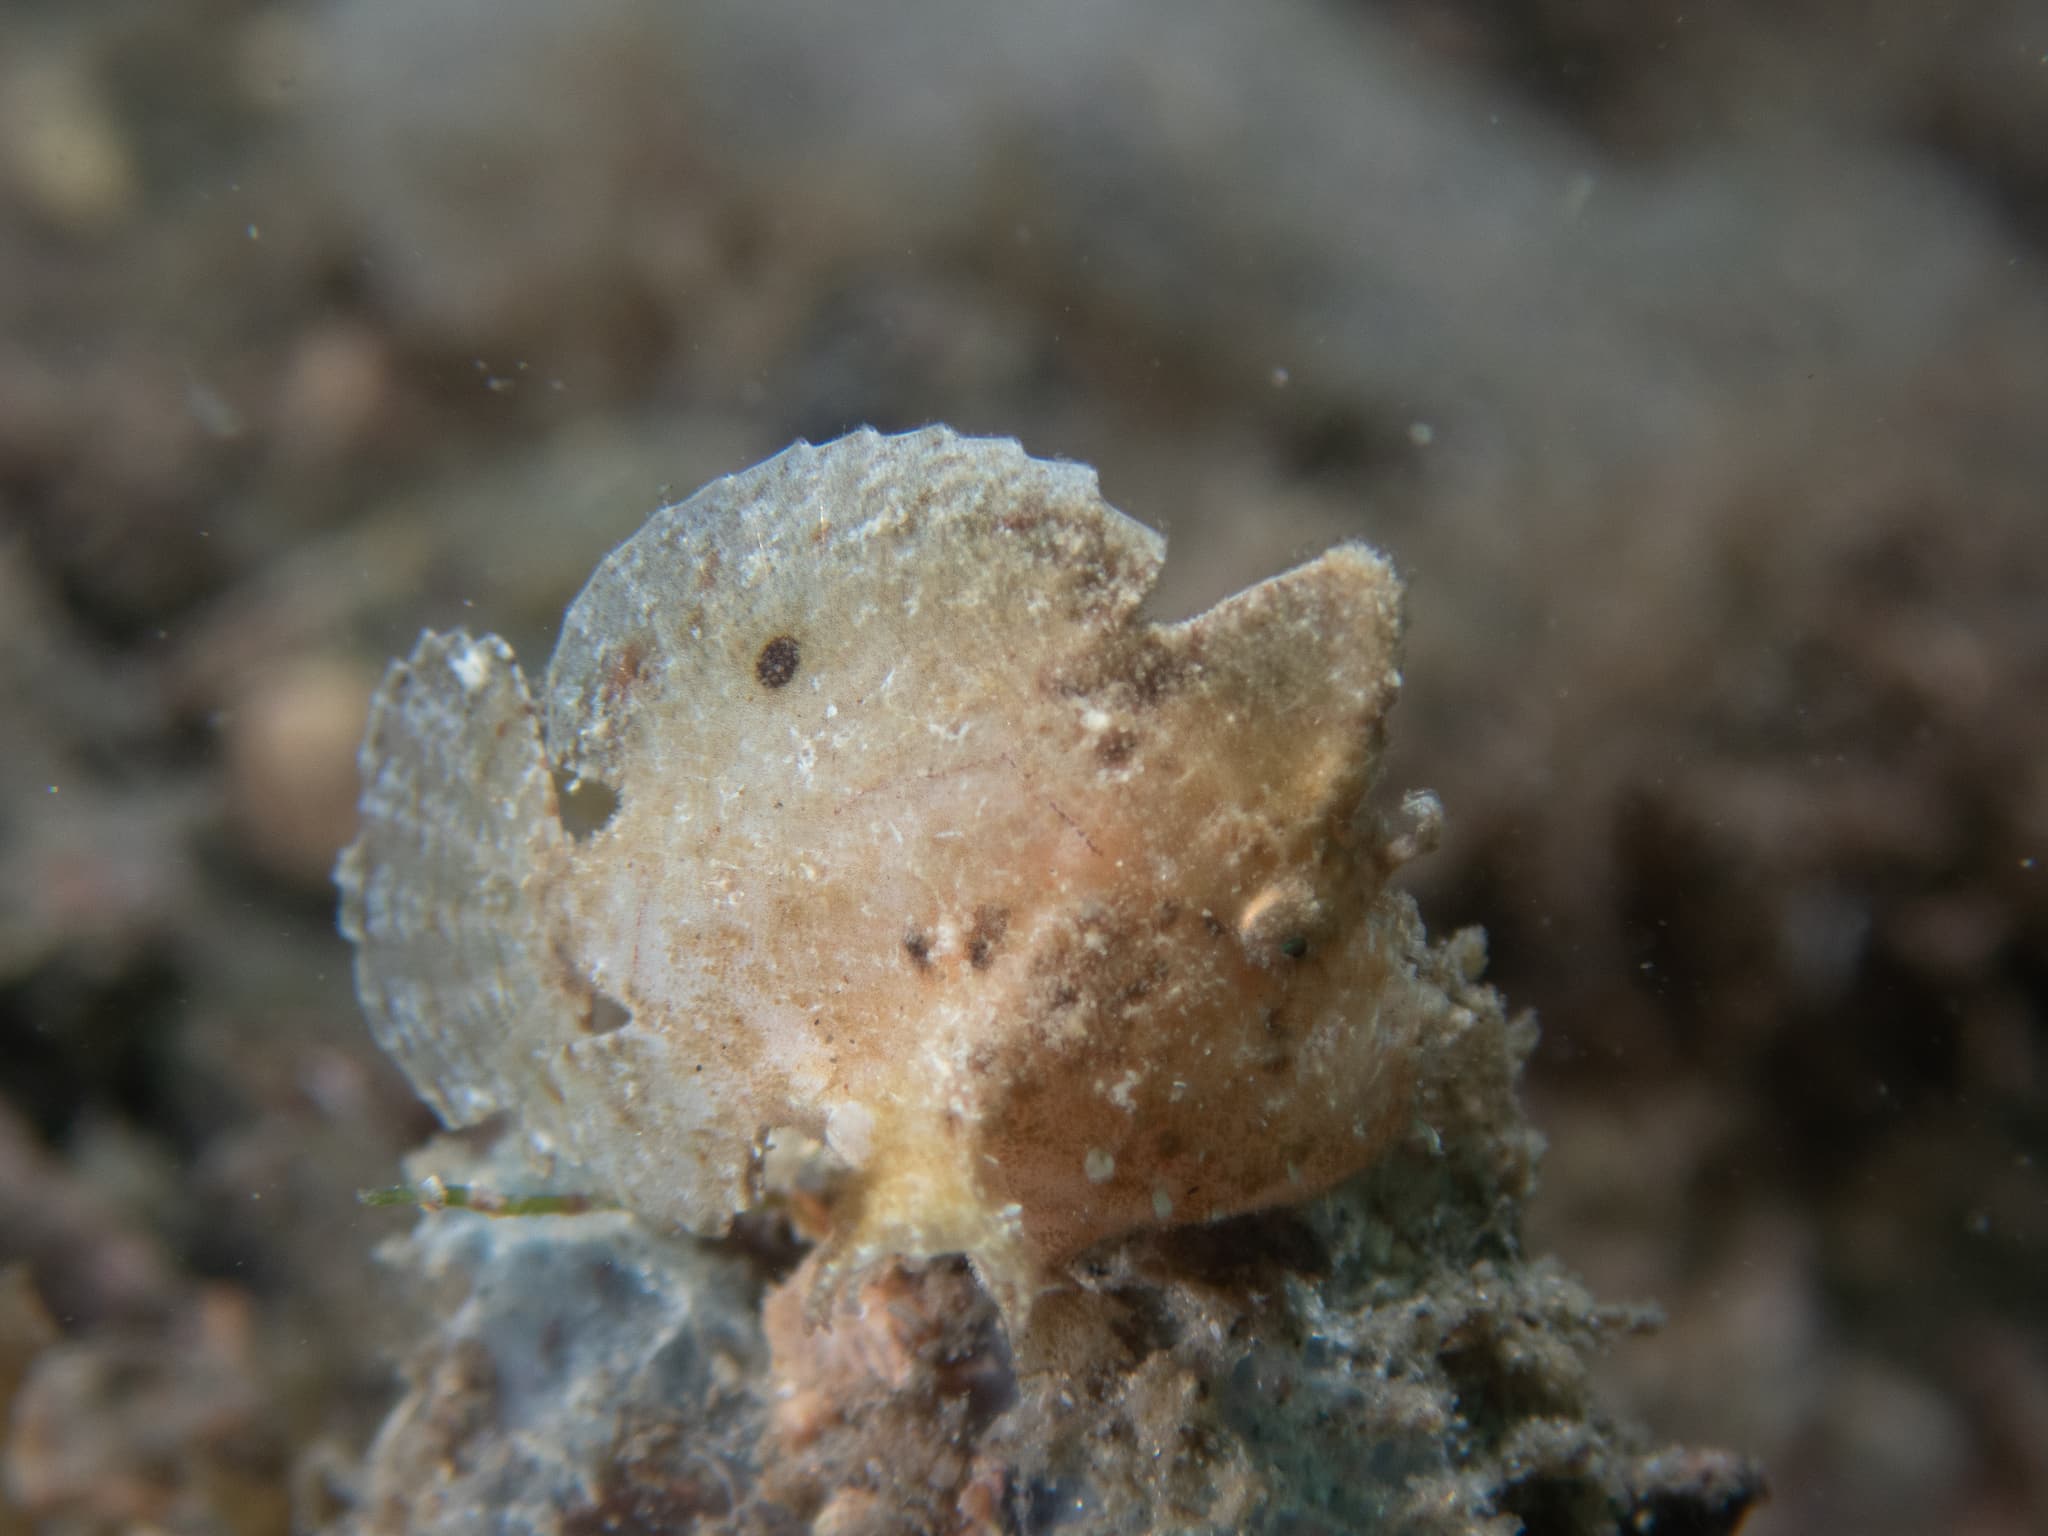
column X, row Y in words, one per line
column 1294, row 946
column 778, row 660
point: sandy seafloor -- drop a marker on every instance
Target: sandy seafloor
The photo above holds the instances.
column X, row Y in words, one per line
column 1694, row 367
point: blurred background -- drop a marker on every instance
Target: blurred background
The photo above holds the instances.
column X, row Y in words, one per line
column 1691, row 361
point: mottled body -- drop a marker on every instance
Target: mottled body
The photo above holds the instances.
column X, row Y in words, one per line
column 1048, row 922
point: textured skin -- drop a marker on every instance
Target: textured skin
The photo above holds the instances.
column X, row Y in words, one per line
column 458, row 814
column 1049, row 923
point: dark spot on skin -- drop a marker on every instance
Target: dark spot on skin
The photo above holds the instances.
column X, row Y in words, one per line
column 1295, row 946
column 990, row 924
column 778, row 661
column 1114, row 748
column 1214, row 924
column 918, row 945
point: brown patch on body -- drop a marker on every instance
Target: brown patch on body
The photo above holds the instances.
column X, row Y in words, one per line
column 1027, row 517
column 1137, row 674
column 627, row 668
column 1156, row 670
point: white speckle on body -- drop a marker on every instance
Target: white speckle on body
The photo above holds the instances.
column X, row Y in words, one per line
column 470, row 667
